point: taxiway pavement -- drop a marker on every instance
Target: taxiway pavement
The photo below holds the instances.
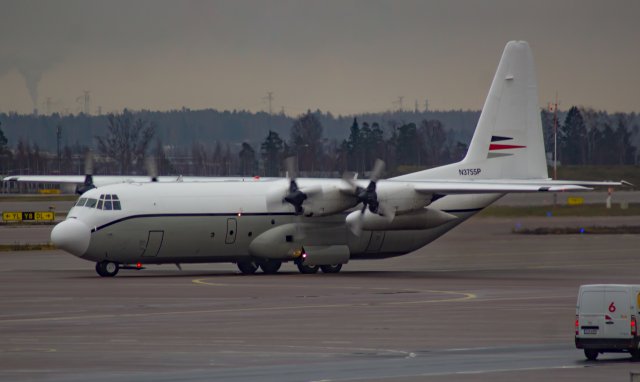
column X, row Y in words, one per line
column 479, row 304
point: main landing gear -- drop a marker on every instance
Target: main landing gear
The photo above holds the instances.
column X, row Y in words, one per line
column 247, row 267
column 107, row 268
column 310, row 269
column 271, row 267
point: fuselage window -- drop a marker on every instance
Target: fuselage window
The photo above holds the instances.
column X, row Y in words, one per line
column 81, row 202
column 91, row 203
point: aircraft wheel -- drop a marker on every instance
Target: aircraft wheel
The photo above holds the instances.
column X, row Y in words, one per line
column 107, row 268
column 591, row 354
column 270, row 267
column 247, row 267
column 331, row 268
column 308, row 269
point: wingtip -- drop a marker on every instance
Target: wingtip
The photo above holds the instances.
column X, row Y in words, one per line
column 628, row 184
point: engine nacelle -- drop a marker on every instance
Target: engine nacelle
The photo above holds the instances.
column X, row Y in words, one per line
column 401, row 197
column 329, row 201
column 423, row 219
column 322, row 199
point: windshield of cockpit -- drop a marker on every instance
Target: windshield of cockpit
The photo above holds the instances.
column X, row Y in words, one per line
column 107, row 202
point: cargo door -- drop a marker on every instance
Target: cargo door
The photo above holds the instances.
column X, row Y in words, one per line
column 617, row 314
column 375, row 242
column 591, row 314
column 154, row 243
column 231, row 231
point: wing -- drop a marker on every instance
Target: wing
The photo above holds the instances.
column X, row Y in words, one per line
column 447, row 187
column 103, row 180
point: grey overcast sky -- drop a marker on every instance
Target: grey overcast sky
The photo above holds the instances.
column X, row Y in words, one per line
column 340, row 56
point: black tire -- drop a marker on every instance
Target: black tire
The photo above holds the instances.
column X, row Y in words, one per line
column 591, row 354
column 107, row 268
column 331, row 268
column 270, row 267
column 308, row 269
column 247, row 267
column 635, row 355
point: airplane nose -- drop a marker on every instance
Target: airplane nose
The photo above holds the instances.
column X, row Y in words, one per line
column 72, row 236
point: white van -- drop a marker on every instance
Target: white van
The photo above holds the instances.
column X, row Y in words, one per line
column 606, row 319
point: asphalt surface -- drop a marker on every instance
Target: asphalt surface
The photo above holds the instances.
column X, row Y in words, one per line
column 479, row 304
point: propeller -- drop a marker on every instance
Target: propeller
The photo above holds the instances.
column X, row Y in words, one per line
column 88, row 175
column 295, row 197
column 369, row 198
column 152, row 168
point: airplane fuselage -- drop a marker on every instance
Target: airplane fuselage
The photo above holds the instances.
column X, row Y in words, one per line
column 220, row 221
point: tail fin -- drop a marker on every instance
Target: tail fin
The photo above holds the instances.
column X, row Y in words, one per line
column 507, row 143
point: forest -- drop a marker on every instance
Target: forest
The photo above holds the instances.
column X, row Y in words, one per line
column 224, row 143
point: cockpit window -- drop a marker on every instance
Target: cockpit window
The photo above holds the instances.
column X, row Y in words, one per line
column 91, row 203
column 108, row 202
column 81, row 202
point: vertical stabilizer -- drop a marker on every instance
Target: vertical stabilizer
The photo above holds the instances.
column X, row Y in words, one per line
column 507, row 143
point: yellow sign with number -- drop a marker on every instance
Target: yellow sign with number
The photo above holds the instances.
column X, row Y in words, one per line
column 575, row 201
column 11, row 216
column 38, row 216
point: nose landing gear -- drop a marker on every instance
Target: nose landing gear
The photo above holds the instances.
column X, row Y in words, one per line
column 107, row 268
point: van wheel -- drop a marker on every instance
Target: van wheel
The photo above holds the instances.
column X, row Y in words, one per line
column 635, row 355
column 591, row 354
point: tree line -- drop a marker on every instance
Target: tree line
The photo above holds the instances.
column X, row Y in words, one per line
column 584, row 136
column 589, row 137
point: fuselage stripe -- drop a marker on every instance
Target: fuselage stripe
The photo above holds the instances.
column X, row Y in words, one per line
column 228, row 214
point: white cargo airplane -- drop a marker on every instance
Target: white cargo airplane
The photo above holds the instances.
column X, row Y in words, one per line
column 320, row 223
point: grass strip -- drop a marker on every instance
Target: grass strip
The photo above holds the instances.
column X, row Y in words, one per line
column 38, row 198
column 26, row 247
column 593, row 230
column 560, row 210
